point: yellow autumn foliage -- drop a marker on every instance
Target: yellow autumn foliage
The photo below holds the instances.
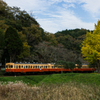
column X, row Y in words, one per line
column 91, row 45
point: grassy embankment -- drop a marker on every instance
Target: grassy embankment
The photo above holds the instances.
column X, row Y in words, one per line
column 69, row 86
column 86, row 78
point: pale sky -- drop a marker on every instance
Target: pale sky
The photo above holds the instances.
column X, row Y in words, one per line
column 58, row 15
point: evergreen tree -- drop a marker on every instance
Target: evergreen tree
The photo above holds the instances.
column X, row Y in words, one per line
column 13, row 43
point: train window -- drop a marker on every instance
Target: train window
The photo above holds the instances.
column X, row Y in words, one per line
column 11, row 66
column 26, row 66
column 52, row 66
column 31, row 66
column 19, row 66
column 22, row 66
column 44, row 66
column 16, row 66
column 38, row 66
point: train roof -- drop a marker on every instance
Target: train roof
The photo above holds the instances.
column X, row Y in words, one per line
column 31, row 63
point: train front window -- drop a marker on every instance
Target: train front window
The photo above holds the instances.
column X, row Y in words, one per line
column 9, row 66
column 6, row 66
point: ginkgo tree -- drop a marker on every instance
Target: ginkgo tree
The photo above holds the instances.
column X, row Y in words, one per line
column 91, row 46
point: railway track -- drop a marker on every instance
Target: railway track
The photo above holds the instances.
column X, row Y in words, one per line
column 23, row 75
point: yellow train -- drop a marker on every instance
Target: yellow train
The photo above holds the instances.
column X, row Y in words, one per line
column 40, row 68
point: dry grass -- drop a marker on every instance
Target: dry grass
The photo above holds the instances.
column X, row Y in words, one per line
column 66, row 91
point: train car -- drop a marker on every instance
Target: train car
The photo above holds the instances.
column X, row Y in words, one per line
column 84, row 69
column 40, row 68
column 32, row 68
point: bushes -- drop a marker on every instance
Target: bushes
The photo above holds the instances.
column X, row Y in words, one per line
column 2, row 72
column 79, row 63
column 65, row 64
column 70, row 65
column 64, row 91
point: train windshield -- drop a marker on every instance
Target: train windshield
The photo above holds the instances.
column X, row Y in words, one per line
column 9, row 66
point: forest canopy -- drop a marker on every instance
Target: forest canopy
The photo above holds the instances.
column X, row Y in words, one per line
column 32, row 42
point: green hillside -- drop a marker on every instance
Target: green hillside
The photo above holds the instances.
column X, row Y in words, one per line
column 36, row 45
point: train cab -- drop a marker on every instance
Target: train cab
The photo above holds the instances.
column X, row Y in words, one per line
column 9, row 67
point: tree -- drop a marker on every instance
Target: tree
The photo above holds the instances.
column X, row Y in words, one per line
column 79, row 63
column 25, row 52
column 65, row 65
column 91, row 46
column 70, row 65
column 1, row 43
column 61, row 64
column 13, row 43
column 33, row 35
column 50, row 38
column 45, row 52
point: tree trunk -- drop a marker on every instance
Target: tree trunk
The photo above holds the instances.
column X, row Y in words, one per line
column 98, row 64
